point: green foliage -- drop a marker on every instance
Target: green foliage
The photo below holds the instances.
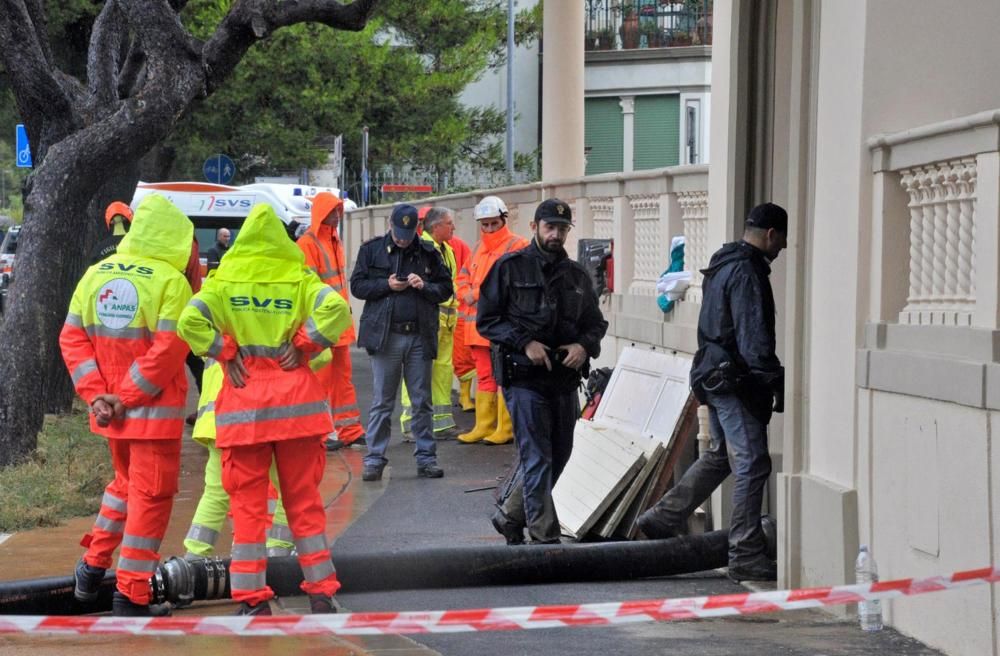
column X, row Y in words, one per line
column 401, row 77
column 63, row 478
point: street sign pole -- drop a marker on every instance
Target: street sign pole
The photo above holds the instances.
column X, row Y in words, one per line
column 364, row 166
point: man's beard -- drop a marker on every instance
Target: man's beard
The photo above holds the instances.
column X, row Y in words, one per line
column 550, row 245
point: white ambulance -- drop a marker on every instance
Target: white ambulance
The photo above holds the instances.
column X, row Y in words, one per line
column 213, row 206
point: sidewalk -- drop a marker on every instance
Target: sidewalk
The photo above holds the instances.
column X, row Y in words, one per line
column 403, row 512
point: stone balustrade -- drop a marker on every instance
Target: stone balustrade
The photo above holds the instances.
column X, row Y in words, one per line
column 640, row 211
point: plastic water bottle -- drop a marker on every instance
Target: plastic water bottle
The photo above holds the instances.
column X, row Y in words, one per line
column 865, row 571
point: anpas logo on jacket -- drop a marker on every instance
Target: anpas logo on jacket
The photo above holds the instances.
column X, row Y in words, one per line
column 119, row 267
column 117, row 303
column 255, row 304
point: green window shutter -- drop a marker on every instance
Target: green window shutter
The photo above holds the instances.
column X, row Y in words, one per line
column 657, row 131
column 603, row 128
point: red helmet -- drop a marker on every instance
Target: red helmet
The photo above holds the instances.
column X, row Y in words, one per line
column 117, row 208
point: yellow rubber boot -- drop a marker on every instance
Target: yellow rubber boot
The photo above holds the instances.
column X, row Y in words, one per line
column 465, row 395
column 486, row 418
column 505, row 427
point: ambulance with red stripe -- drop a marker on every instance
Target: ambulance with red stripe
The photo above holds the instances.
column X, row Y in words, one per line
column 213, row 206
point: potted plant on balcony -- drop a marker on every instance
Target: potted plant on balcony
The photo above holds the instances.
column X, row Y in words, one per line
column 680, row 38
column 606, row 39
column 630, row 26
column 651, row 32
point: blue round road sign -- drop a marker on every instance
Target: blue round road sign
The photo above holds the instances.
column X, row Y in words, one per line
column 219, row 169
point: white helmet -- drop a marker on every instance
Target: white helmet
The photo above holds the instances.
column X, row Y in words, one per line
column 490, row 207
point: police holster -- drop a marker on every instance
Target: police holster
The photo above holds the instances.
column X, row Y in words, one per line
column 511, row 367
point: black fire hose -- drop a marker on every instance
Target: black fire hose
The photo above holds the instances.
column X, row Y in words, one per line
column 180, row 581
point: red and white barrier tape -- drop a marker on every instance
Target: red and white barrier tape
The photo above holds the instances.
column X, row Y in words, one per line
column 498, row 619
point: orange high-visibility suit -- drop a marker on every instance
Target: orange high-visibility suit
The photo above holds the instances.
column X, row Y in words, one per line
column 120, row 338
column 465, row 366
column 491, row 247
column 262, row 299
column 324, row 254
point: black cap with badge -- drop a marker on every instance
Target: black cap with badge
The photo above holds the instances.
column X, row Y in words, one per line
column 404, row 221
column 554, row 210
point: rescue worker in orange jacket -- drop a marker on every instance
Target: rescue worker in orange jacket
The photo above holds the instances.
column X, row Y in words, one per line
column 464, row 365
column 259, row 315
column 493, row 424
column 324, row 254
column 126, row 360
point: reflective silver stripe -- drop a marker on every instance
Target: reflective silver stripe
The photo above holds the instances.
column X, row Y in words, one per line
column 135, row 542
column 136, row 565
column 123, row 333
column 318, row 572
column 344, row 423
column 346, row 408
column 74, row 320
column 337, row 287
column 208, row 407
column 442, row 409
column 141, row 382
column 272, row 505
column 315, row 335
column 241, row 581
column 200, row 305
column 262, row 351
column 166, row 325
column 449, row 311
column 249, row 551
column 82, row 369
column 322, row 295
column 216, row 348
column 263, row 414
column 465, row 270
column 443, row 423
column 280, row 532
column 209, row 362
column 312, row 544
column 113, row 502
column 109, row 525
column 202, row 534
column 147, row 412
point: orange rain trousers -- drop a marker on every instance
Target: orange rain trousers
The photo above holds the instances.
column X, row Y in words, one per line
column 461, row 355
column 300, row 464
column 343, row 399
column 135, row 511
column 484, row 368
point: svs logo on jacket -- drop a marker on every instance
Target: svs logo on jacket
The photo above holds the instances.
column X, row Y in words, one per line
column 126, row 268
column 117, row 303
column 259, row 304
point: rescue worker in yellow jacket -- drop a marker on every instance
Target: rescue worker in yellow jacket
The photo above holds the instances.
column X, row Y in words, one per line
column 210, row 515
column 259, row 316
column 120, row 345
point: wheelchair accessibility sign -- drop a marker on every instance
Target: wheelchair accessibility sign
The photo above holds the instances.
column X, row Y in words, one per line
column 23, row 149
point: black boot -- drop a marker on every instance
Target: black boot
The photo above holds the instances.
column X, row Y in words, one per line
column 321, row 604
column 512, row 532
column 88, row 582
column 263, row 608
column 122, row 606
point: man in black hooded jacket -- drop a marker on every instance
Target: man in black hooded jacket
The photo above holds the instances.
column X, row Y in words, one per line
column 737, row 374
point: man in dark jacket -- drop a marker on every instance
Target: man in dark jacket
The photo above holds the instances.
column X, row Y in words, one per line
column 737, row 374
column 215, row 253
column 401, row 279
column 540, row 311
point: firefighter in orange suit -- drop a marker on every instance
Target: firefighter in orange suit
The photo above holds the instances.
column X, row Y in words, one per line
column 493, row 424
column 325, row 255
column 259, row 315
column 126, row 360
column 461, row 357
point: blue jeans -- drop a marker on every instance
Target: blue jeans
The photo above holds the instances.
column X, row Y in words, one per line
column 543, row 432
column 402, row 357
column 738, row 445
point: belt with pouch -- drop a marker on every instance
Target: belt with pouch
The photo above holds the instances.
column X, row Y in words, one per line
column 404, row 327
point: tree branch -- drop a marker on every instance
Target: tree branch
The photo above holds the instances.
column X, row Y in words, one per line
column 103, row 52
column 250, row 21
column 32, row 79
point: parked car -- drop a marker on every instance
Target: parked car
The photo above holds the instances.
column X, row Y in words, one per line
column 8, row 248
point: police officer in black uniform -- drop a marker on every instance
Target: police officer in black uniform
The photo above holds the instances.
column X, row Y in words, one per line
column 539, row 310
